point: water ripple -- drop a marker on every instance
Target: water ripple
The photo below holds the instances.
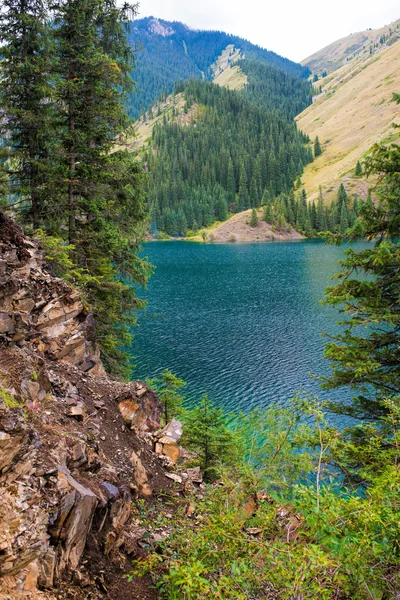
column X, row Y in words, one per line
column 241, row 323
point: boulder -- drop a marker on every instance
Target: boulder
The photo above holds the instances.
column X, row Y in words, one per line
column 76, row 516
column 140, row 475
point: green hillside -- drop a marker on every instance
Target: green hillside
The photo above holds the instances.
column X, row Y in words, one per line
column 171, row 51
column 222, row 154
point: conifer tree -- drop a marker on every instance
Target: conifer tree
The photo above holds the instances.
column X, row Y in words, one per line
column 358, row 170
column 254, row 218
column 206, row 433
column 25, row 107
column 317, row 147
column 320, row 223
column 99, row 191
column 366, row 355
column 243, row 200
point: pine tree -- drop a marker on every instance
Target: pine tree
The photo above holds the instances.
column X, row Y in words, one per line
column 317, row 147
column 254, row 218
column 167, row 387
column 320, row 223
column 25, row 109
column 366, row 355
column 344, row 220
column 358, row 170
column 231, row 184
column 100, row 192
column 206, row 433
column 243, row 199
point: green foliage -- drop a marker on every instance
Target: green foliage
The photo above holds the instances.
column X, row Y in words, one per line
column 61, row 119
column 366, row 355
column 358, row 170
column 254, row 218
column 25, row 111
column 206, row 433
column 234, row 152
column 317, row 147
column 187, row 53
column 166, row 386
column 309, row 535
column 7, row 398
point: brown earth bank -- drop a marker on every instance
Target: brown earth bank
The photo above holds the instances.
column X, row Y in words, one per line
column 238, row 229
column 79, row 453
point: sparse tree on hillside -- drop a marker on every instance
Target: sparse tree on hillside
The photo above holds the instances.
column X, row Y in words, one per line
column 358, row 170
column 317, row 147
column 254, row 218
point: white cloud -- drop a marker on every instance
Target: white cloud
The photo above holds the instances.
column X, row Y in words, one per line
column 293, row 28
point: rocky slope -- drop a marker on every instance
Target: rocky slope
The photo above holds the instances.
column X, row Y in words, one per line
column 77, row 451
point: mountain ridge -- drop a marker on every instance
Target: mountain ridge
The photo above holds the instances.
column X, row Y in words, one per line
column 171, row 51
column 338, row 53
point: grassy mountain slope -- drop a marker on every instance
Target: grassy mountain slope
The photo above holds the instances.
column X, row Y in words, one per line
column 353, row 46
column 226, row 72
column 172, row 51
column 353, row 112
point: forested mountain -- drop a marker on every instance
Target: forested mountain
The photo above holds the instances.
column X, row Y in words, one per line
column 272, row 88
column 234, row 151
column 173, row 51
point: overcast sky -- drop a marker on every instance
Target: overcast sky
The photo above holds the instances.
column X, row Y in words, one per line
column 293, row 28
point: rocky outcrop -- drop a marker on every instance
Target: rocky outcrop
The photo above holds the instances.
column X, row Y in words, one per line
column 41, row 310
column 77, row 451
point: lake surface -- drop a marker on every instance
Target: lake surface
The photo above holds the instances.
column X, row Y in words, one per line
column 240, row 322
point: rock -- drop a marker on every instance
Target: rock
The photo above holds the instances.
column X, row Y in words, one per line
column 120, row 513
column 6, row 323
column 158, row 448
column 253, row 530
column 140, row 475
column 111, row 492
column 32, row 577
column 78, row 522
column 128, row 411
column 250, row 505
column 174, row 477
column 172, row 431
column 172, row 452
column 78, row 411
column 195, row 475
column 142, row 414
column 47, row 569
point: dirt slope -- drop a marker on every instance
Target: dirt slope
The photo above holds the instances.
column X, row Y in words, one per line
column 237, row 229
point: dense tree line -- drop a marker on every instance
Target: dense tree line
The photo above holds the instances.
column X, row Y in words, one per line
column 271, row 88
column 231, row 154
column 62, row 107
column 310, row 218
column 184, row 53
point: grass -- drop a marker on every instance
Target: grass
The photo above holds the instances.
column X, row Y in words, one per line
column 350, row 121
column 7, row 399
column 337, row 54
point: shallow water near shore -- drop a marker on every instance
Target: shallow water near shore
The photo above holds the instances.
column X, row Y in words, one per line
column 242, row 323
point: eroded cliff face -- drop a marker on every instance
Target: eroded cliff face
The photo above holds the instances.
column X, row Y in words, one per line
column 76, row 449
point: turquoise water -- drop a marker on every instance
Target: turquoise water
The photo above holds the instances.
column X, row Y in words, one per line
column 240, row 322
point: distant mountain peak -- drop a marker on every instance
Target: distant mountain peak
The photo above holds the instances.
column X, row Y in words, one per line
column 155, row 26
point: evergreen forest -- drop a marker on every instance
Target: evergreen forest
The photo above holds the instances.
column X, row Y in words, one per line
column 182, row 53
